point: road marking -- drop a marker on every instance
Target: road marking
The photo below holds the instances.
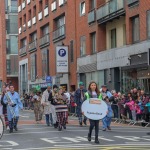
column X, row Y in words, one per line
column 53, row 140
column 12, row 143
column 132, row 138
column 24, row 116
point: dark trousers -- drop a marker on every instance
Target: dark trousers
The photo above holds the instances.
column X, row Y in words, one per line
column 94, row 123
column 49, row 119
column 13, row 123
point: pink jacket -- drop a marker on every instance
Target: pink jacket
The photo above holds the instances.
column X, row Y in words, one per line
column 138, row 110
column 131, row 105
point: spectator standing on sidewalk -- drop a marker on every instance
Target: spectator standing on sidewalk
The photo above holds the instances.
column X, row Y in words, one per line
column 45, row 102
column 79, row 98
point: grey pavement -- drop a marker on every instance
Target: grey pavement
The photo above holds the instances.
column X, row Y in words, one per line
column 41, row 137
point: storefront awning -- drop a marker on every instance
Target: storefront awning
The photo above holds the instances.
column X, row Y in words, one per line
column 144, row 66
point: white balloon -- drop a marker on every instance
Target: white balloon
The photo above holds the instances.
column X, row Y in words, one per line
column 94, row 111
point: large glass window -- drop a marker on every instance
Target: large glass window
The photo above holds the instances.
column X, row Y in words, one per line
column 33, row 67
column 45, row 64
column 13, row 44
column 135, row 29
column 45, row 30
column 82, row 45
column 12, row 24
column 148, row 24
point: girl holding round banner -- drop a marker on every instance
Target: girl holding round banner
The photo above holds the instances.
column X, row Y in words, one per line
column 94, row 108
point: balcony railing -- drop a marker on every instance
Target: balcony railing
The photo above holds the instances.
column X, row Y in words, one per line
column 59, row 33
column 111, row 10
column 91, row 16
column 44, row 41
column 132, row 2
column 32, row 46
column 23, row 51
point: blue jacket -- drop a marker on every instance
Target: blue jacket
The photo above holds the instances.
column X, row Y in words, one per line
column 16, row 100
column 110, row 111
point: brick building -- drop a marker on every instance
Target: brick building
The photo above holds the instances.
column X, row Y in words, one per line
column 108, row 42
column 9, row 43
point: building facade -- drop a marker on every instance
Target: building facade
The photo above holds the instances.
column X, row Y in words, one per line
column 107, row 41
column 9, row 42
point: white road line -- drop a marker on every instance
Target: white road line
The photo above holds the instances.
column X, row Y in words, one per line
column 137, row 143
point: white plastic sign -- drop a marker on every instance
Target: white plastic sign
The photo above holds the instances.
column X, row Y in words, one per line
column 94, row 110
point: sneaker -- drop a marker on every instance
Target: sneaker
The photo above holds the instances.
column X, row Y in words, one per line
column 16, row 129
column 89, row 137
column 108, row 128
column 11, row 131
column 80, row 124
column 64, row 126
column 7, row 128
column 60, row 128
column 97, row 141
column 104, row 129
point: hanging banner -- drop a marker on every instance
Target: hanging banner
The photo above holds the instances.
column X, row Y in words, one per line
column 62, row 59
column 94, row 109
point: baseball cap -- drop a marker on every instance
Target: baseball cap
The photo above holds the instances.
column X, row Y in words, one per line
column 81, row 84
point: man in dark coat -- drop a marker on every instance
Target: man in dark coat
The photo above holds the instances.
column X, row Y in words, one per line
column 79, row 98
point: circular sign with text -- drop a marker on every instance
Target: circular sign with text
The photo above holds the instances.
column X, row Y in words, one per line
column 94, row 109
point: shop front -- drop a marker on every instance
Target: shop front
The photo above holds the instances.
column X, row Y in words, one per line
column 137, row 75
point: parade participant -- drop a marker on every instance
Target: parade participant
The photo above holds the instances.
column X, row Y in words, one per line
column 107, row 119
column 46, row 103
column 60, row 102
column 93, row 92
column 52, row 97
column 12, row 99
column 5, row 106
column 79, row 98
column 38, row 108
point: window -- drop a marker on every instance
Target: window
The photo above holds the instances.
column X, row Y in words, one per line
column 29, row 15
column 135, row 30
column 148, row 24
column 13, row 44
column 113, row 38
column 23, row 42
column 45, row 64
column 12, row 24
column 40, row 6
column 46, row 3
column 34, row 11
column 82, row 46
column 45, row 30
column 92, row 4
column 93, row 42
column 33, row 67
column 71, row 51
column 60, row 22
column 82, row 8
column 33, row 37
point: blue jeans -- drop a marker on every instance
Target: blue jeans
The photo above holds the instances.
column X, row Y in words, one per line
column 49, row 119
column 106, row 122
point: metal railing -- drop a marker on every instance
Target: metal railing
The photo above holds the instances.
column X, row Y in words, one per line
column 32, row 46
column 92, row 16
column 44, row 40
column 112, row 8
column 60, row 32
column 132, row 1
column 23, row 51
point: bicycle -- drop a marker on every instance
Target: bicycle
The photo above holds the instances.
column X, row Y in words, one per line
column 1, row 127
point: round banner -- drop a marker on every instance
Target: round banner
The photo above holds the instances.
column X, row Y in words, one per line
column 94, row 108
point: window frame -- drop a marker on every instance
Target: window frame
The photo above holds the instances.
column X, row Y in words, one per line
column 82, row 53
column 93, row 34
column 83, row 2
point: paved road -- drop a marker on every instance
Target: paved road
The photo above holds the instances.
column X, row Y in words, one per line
column 40, row 137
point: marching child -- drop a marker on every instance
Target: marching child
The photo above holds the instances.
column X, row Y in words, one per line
column 107, row 119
